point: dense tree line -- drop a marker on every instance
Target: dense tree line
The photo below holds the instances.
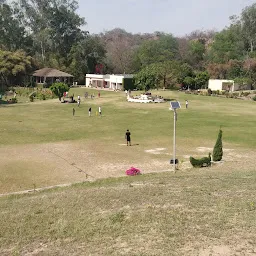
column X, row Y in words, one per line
column 35, row 34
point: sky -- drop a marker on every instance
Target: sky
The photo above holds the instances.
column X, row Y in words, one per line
column 179, row 17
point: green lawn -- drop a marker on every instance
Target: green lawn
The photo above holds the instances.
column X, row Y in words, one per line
column 49, row 121
column 209, row 211
column 41, row 141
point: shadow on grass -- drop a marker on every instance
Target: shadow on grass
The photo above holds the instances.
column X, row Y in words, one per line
column 168, row 99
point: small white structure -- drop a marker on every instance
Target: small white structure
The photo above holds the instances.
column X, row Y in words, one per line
column 143, row 98
column 139, row 99
column 114, row 82
column 226, row 85
column 221, row 85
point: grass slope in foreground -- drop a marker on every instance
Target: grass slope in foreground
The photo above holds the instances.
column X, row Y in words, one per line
column 199, row 213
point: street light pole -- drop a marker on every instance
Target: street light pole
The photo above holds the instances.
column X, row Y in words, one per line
column 174, row 139
column 174, row 106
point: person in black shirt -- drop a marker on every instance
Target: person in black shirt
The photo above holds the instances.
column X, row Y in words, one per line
column 128, row 137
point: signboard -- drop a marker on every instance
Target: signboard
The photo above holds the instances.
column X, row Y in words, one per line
column 174, row 105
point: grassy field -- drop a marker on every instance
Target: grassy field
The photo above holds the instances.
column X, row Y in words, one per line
column 210, row 211
column 203, row 212
column 42, row 144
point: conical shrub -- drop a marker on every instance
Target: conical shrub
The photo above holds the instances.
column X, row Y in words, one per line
column 217, row 150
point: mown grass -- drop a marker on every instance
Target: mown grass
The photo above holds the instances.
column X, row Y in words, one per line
column 50, row 121
column 194, row 212
column 188, row 213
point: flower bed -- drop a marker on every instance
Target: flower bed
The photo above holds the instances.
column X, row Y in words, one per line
column 133, row 171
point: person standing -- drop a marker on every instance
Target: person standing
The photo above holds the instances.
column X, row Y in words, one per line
column 100, row 111
column 99, row 94
column 186, row 103
column 74, row 111
column 90, row 111
column 128, row 137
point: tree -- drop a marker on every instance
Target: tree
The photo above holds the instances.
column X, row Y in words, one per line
column 201, row 79
column 54, row 25
column 85, row 55
column 227, row 45
column 196, row 52
column 147, row 78
column 217, row 150
column 248, row 20
column 165, row 48
column 13, row 35
column 59, row 88
column 14, row 66
column 120, row 46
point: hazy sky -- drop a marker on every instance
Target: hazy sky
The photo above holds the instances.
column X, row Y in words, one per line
column 178, row 17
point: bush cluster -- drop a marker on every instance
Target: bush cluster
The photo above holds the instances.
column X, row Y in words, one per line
column 202, row 162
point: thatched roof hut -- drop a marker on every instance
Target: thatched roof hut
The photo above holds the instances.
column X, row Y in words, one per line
column 46, row 74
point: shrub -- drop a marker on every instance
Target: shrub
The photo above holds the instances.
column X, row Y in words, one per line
column 254, row 98
column 58, row 89
column 245, row 94
column 235, row 94
column 32, row 96
column 202, row 162
column 132, row 171
column 209, row 91
column 217, row 150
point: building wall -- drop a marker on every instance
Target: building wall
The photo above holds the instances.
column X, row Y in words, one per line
column 114, row 82
column 218, row 84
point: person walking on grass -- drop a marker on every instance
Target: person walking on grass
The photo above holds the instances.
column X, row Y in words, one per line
column 186, row 103
column 74, row 111
column 100, row 111
column 78, row 100
column 90, row 111
column 128, row 137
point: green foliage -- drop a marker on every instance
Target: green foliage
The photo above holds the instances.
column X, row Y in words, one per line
column 165, row 48
column 129, row 84
column 202, row 162
column 254, row 98
column 59, row 88
column 13, row 34
column 14, row 65
column 85, row 56
column 146, row 79
column 227, row 45
column 201, row 80
column 217, row 150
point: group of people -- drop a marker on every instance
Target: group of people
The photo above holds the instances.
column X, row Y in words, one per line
column 90, row 111
column 99, row 111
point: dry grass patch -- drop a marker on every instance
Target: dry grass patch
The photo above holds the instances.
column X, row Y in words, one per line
column 161, row 214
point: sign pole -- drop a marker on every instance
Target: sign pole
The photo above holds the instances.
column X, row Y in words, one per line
column 174, row 139
column 174, row 106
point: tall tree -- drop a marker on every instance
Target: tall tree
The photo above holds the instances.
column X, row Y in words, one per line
column 13, row 35
column 162, row 49
column 13, row 66
column 85, row 55
column 54, row 24
column 248, row 20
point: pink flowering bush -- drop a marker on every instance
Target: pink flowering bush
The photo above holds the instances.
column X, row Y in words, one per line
column 133, row 171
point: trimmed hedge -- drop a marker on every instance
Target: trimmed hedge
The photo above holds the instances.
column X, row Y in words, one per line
column 217, row 150
column 202, row 162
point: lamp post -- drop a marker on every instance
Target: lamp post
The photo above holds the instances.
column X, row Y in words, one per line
column 174, row 106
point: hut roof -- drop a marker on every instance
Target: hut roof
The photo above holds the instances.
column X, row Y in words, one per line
column 50, row 72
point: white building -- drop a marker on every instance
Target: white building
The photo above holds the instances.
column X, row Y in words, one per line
column 226, row 85
column 113, row 82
